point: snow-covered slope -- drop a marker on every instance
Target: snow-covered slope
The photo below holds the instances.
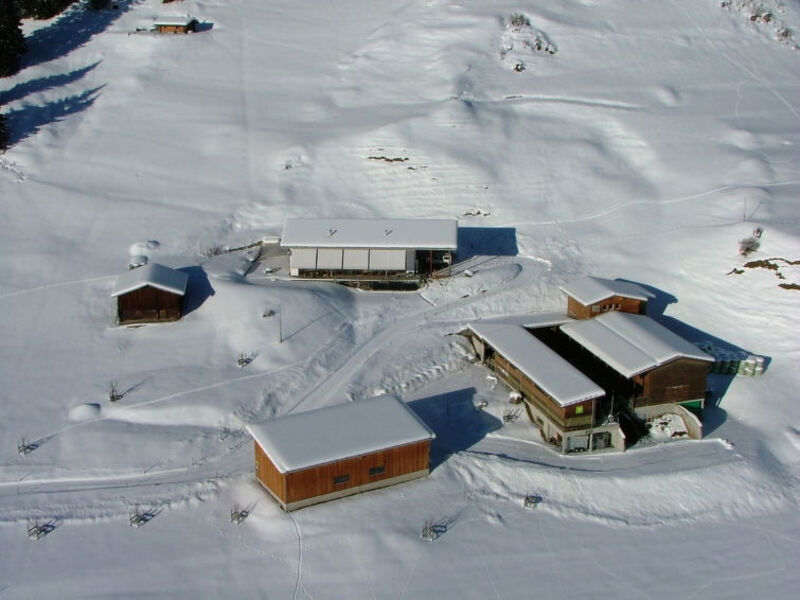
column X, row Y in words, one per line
column 640, row 141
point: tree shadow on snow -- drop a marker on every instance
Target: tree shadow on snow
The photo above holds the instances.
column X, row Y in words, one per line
column 26, row 88
column 76, row 26
column 456, row 421
column 489, row 241
column 26, row 121
column 198, row 289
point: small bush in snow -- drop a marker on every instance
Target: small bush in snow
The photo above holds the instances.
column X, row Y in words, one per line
column 748, row 245
column 517, row 21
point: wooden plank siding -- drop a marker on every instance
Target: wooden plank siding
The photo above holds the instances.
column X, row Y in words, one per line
column 677, row 381
column 319, row 480
column 568, row 418
column 148, row 304
column 267, row 473
column 577, row 310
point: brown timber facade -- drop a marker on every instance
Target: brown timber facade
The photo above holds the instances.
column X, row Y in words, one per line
column 353, row 475
column 680, row 381
column 147, row 305
column 576, row 310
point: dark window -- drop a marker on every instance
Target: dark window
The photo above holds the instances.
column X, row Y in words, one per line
column 375, row 471
column 339, row 479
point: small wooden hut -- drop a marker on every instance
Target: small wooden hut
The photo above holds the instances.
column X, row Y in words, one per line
column 185, row 24
column 323, row 454
column 150, row 294
column 589, row 297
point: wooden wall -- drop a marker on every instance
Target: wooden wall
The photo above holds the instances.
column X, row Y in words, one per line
column 268, row 474
column 317, row 481
column 677, row 381
column 581, row 311
column 564, row 417
column 148, row 304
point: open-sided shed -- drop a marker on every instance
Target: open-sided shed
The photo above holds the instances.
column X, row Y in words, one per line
column 150, row 293
column 328, row 453
column 589, row 297
column 368, row 248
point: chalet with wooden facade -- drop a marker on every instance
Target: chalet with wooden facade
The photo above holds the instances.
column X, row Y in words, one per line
column 589, row 297
column 150, row 294
column 656, row 366
column 567, row 406
column 185, row 24
column 369, row 249
column 329, row 453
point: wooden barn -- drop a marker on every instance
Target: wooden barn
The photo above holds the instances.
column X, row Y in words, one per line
column 185, row 24
column 369, row 249
column 150, row 294
column 567, row 406
column 589, row 297
column 329, row 453
column 657, row 366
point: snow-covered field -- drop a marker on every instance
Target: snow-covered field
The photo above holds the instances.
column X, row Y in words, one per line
column 652, row 139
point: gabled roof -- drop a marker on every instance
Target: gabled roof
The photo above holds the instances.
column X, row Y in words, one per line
column 588, row 290
column 153, row 275
column 631, row 344
column 559, row 379
column 427, row 234
column 338, row 432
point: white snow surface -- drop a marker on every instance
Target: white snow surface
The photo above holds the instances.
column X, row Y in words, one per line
column 631, row 344
column 560, row 380
column 588, row 290
column 325, row 435
column 658, row 136
column 153, row 275
column 435, row 234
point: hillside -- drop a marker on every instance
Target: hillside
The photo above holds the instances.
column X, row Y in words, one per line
column 639, row 141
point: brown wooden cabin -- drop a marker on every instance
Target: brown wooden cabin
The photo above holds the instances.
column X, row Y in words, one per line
column 655, row 366
column 329, row 453
column 590, row 297
column 175, row 25
column 150, row 294
column 559, row 399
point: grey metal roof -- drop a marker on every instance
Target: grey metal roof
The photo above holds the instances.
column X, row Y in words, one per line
column 337, row 432
column 588, row 290
column 153, row 275
column 427, row 234
column 631, row 344
column 560, row 380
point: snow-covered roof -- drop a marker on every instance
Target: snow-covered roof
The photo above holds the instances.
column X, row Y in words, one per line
column 174, row 21
column 337, row 432
column 154, row 275
column 428, row 234
column 589, row 290
column 631, row 344
column 560, row 380
column 528, row 321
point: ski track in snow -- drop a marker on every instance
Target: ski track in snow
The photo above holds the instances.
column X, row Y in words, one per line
column 55, row 285
column 654, row 203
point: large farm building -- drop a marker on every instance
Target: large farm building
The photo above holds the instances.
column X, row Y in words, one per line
column 369, row 249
